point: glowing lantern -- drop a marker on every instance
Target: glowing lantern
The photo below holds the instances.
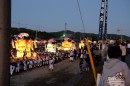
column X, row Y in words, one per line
column 94, row 42
column 81, row 44
column 51, row 47
column 34, row 55
column 28, row 47
column 20, row 47
column 67, row 44
column 35, row 43
column 73, row 44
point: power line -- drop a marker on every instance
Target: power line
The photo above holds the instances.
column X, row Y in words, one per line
column 81, row 18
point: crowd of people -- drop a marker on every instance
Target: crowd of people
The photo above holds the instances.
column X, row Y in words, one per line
column 43, row 59
column 46, row 59
column 113, row 54
column 115, row 70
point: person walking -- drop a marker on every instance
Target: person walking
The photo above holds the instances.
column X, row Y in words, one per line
column 71, row 56
column 51, row 64
column 81, row 66
column 87, row 60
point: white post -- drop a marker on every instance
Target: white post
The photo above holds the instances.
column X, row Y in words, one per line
column 98, row 78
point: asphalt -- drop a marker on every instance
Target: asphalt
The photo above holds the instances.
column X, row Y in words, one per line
column 65, row 74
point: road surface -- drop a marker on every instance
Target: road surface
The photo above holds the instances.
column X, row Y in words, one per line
column 65, row 74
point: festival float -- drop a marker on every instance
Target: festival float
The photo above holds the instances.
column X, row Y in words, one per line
column 67, row 44
column 81, row 44
column 51, row 45
column 24, row 46
column 43, row 44
column 73, row 44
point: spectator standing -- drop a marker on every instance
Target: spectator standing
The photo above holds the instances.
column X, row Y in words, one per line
column 123, row 49
column 87, row 60
column 115, row 72
column 128, row 47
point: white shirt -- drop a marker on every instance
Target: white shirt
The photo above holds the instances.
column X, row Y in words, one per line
column 123, row 49
column 128, row 45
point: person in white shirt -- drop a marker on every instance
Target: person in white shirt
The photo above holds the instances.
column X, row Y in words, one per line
column 123, row 50
column 71, row 56
column 51, row 64
column 128, row 47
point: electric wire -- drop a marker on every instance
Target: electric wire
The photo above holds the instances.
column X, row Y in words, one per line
column 81, row 19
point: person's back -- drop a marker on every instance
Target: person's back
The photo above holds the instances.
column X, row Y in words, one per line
column 115, row 72
column 123, row 50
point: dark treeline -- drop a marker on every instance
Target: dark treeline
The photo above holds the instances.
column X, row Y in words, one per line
column 57, row 35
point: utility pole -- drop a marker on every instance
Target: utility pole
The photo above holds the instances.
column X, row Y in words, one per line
column 65, row 29
column 5, row 42
column 36, row 34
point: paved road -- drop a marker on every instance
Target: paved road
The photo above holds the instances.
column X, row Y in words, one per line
column 65, row 74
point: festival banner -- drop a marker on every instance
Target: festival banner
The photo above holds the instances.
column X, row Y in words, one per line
column 101, row 20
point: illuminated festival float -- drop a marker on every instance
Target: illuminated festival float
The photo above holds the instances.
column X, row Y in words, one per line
column 51, row 45
column 81, row 44
column 68, row 44
column 73, row 44
column 24, row 46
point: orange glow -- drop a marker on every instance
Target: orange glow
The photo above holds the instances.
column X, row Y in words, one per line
column 34, row 55
column 20, row 47
column 35, row 43
column 13, row 44
column 66, row 45
column 29, row 47
column 81, row 44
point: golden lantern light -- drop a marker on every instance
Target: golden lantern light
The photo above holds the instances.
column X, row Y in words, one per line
column 20, row 47
column 51, row 47
column 81, row 44
column 66, row 45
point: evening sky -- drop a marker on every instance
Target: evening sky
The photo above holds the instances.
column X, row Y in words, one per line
column 51, row 15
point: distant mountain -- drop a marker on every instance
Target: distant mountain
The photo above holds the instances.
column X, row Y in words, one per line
column 77, row 36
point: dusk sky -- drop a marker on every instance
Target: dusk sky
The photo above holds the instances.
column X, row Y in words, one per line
column 51, row 15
